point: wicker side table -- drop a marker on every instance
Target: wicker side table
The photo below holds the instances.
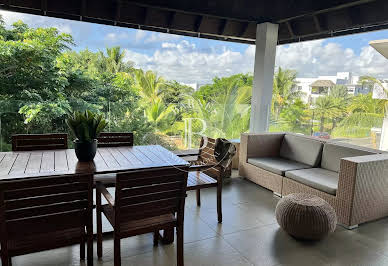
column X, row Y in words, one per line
column 306, row 216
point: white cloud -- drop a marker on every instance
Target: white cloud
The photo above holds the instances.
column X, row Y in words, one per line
column 168, row 45
column 12, row 17
column 161, row 37
column 185, row 63
column 111, row 36
column 179, row 58
column 140, row 34
column 116, row 37
column 63, row 28
column 316, row 58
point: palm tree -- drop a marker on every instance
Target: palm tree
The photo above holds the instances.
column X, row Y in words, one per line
column 339, row 91
column 113, row 62
column 327, row 107
column 341, row 98
column 149, row 85
column 228, row 114
column 284, row 90
column 158, row 111
column 364, row 103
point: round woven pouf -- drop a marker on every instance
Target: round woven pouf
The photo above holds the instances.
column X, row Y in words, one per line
column 305, row 216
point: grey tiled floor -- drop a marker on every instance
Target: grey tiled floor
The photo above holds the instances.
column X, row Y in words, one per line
column 249, row 235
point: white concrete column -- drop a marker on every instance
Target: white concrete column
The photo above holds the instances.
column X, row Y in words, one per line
column 266, row 40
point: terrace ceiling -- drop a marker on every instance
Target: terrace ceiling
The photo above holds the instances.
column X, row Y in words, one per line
column 229, row 20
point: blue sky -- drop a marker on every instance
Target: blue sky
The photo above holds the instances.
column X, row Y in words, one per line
column 195, row 60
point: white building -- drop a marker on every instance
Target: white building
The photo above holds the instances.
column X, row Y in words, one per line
column 323, row 87
column 195, row 86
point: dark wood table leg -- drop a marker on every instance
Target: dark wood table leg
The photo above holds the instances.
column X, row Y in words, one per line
column 168, row 236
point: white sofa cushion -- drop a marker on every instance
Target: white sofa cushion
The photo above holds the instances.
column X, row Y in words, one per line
column 301, row 149
column 276, row 165
column 333, row 153
column 318, row 178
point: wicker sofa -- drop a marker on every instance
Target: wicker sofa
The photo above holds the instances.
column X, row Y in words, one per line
column 354, row 180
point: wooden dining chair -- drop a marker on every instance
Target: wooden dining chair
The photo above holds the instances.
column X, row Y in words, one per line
column 112, row 139
column 115, row 139
column 45, row 213
column 30, row 142
column 206, row 171
column 145, row 201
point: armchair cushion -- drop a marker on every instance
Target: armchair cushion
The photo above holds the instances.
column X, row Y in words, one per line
column 318, row 178
column 301, row 149
column 276, row 165
column 333, row 153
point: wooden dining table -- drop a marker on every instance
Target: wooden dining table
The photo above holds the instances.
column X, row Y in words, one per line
column 29, row 164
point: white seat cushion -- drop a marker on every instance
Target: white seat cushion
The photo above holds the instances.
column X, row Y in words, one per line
column 318, row 178
column 333, row 153
column 301, row 149
column 276, row 165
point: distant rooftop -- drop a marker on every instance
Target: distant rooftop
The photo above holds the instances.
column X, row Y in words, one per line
column 322, row 83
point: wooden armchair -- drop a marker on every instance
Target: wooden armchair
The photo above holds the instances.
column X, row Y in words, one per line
column 145, row 201
column 45, row 213
column 30, row 142
column 206, row 171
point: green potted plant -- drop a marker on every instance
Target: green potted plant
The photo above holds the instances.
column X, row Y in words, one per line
column 86, row 127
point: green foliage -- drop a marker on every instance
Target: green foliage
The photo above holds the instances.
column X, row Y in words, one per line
column 354, row 132
column 339, row 91
column 296, row 116
column 285, row 90
column 226, row 114
column 86, row 126
column 42, row 80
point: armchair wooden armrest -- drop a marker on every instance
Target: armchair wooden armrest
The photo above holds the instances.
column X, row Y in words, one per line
column 187, row 153
column 202, row 167
column 102, row 189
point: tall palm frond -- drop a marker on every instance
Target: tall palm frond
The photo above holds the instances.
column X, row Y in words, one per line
column 149, row 85
column 285, row 90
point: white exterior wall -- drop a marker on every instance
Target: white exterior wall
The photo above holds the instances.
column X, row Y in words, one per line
column 341, row 78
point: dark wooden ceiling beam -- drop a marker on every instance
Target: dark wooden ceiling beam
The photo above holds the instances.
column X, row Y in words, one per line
column 170, row 19
column 222, row 26
column 83, row 9
column 357, row 16
column 145, row 16
column 289, row 27
column 326, row 10
column 43, row 4
column 163, row 8
column 197, row 23
column 117, row 12
column 243, row 29
column 317, row 23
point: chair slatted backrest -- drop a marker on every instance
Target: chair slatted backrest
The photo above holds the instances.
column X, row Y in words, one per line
column 45, row 204
column 30, row 142
column 115, row 139
column 148, row 193
column 206, row 157
column 206, row 151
